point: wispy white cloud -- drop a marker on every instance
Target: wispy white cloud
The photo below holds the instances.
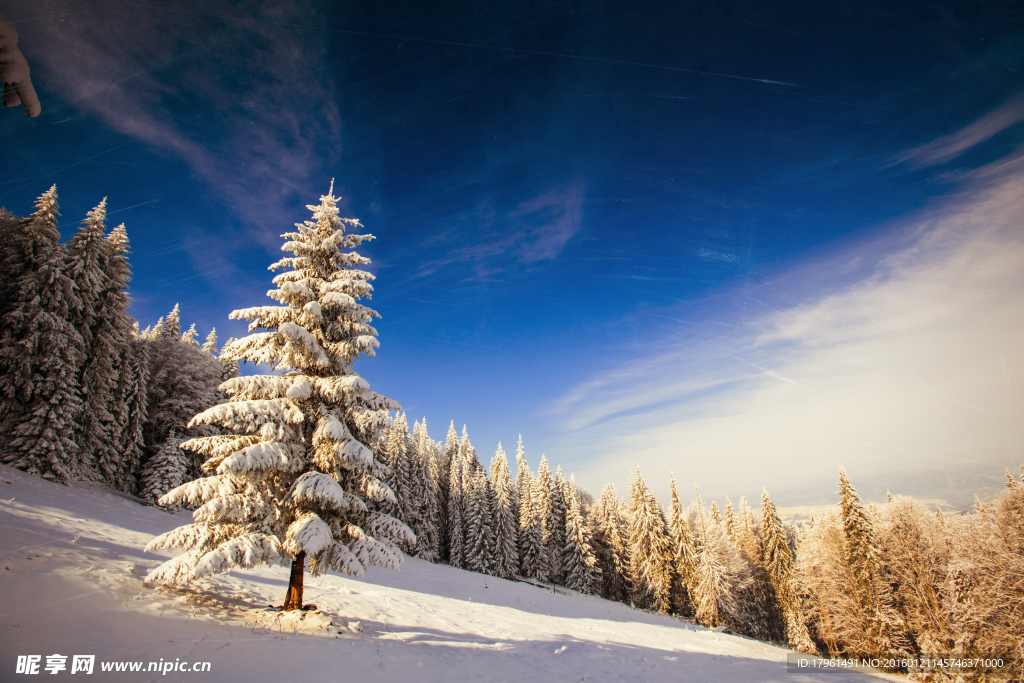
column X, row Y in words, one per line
column 538, row 229
column 244, row 69
column 900, row 358
column 953, row 145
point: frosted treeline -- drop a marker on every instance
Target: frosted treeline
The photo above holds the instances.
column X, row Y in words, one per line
column 862, row 580
column 85, row 394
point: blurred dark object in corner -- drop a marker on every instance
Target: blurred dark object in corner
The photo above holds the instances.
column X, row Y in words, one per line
column 14, row 71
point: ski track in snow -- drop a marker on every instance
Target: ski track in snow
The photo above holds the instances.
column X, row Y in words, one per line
column 72, row 584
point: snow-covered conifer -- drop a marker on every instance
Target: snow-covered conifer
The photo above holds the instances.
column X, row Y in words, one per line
column 860, row 554
column 578, row 562
column 479, row 524
column 711, row 587
column 210, row 345
column 456, row 511
column 685, row 554
column 778, row 562
column 119, row 461
column 506, row 524
column 610, row 546
column 293, row 480
column 135, row 380
column 98, row 377
column 171, row 327
column 163, row 472
column 543, row 485
column 229, row 366
column 40, row 353
column 428, row 541
column 650, row 551
column 443, row 474
column 532, row 553
column 190, row 336
column 556, row 526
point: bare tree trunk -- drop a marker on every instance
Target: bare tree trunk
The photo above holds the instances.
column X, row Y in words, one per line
column 293, row 598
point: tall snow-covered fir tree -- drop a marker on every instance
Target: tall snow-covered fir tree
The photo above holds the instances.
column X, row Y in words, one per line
column 396, row 445
column 684, row 553
column 778, row 561
column 556, row 526
column 443, row 474
column 292, row 483
column 229, row 367
column 479, row 523
column 863, row 567
column 119, row 462
column 97, row 378
column 610, row 546
column 549, row 562
column 456, row 510
column 135, row 380
column 531, row 534
column 164, row 472
column 210, row 345
column 506, row 524
column 40, row 353
column 428, row 540
column 650, row 551
column 579, row 566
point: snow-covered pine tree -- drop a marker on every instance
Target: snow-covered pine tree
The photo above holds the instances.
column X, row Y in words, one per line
column 210, row 345
column 119, row 462
column 171, row 327
column 543, row 485
column 479, row 523
column 135, row 378
column 293, row 482
column 778, row 562
column 190, row 336
column 40, row 353
column 711, row 586
column 863, row 566
column 506, row 524
column 685, row 554
column 164, row 472
column 395, row 454
column 443, row 474
column 556, row 526
column 98, row 377
column 428, row 540
column 456, row 511
column 757, row 614
column 522, row 476
column 610, row 546
column 531, row 536
column 650, row 551
column 729, row 519
column 229, row 367
column 579, row 564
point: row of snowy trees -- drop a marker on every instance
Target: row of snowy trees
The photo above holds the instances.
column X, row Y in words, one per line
column 861, row 581
column 85, row 394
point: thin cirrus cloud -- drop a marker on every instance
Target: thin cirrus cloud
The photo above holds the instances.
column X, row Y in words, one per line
column 953, row 145
column 900, row 358
column 538, row 229
column 250, row 144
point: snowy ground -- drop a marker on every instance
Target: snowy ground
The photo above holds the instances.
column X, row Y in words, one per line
column 71, row 584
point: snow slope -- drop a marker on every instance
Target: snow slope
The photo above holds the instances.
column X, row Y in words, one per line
column 71, row 584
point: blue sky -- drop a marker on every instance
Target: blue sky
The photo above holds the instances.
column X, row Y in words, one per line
column 745, row 244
